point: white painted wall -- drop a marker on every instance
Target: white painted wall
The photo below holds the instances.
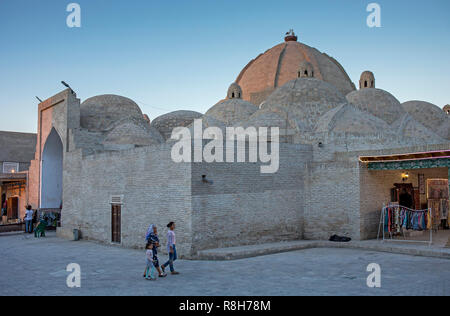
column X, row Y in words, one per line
column 52, row 165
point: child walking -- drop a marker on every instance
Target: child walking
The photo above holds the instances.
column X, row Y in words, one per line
column 150, row 270
column 152, row 235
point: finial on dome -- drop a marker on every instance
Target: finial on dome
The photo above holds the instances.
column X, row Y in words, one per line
column 290, row 36
column 234, row 91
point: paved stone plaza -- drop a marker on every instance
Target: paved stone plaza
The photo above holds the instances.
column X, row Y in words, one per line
column 38, row 267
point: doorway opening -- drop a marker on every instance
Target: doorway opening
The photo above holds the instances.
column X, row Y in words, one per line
column 13, row 208
column 52, row 176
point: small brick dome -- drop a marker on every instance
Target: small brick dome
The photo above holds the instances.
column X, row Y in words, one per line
column 234, row 91
column 367, row 80
column 351, row 120
column 101, row 112
column 167, row 122
column 377, row 102
column 430, row 116
column 304, row 100
column 131, row 133
column 447, row 109
column 231, row 111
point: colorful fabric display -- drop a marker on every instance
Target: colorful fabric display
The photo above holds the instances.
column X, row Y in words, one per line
column 397, row 217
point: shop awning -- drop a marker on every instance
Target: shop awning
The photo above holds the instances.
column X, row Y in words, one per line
column 419, row 160
column 12, row 176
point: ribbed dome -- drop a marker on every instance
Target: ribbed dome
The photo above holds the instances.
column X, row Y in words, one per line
column 304, row 100
column 280, row 64
column 430, row 116
column 377, row 102
column 167, row 122
column 231, row 111
column 99, row 113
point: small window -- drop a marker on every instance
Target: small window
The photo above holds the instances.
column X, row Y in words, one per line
column 232, row 95
column 239, row 95
column 365, row 84
column 10, row 167
column 306, row 72
column 371, row 84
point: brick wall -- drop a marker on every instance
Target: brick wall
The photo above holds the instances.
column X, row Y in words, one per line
column 155, row 191
column 243, row 206
column 332, row 200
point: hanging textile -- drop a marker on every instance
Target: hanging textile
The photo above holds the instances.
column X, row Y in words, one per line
column 435, row 206
column 397, row 218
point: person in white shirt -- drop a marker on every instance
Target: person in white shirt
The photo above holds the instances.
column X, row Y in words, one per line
column 171, row 249
column 29, row 220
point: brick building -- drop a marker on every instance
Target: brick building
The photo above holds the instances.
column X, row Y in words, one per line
column 16, row 151
column 341, row 153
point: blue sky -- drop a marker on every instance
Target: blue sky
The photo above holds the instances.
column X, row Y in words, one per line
column 183, row 54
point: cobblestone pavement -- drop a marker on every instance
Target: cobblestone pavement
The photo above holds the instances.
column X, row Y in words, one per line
column 38, row 267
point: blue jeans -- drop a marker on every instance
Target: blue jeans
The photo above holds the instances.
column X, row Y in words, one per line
column 29, row 226
column 172, row 258
column 150, row 270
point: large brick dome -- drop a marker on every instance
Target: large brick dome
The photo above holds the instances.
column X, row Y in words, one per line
column 280, row 64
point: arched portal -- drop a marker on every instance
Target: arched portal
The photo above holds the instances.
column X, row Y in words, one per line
column 52, row 166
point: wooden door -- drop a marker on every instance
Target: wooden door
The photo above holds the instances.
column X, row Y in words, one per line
column 116, row 223
column 13, row 208
column 408, row 187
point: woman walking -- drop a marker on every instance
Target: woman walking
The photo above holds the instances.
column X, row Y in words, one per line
column 171, row 241
column 152, row 236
